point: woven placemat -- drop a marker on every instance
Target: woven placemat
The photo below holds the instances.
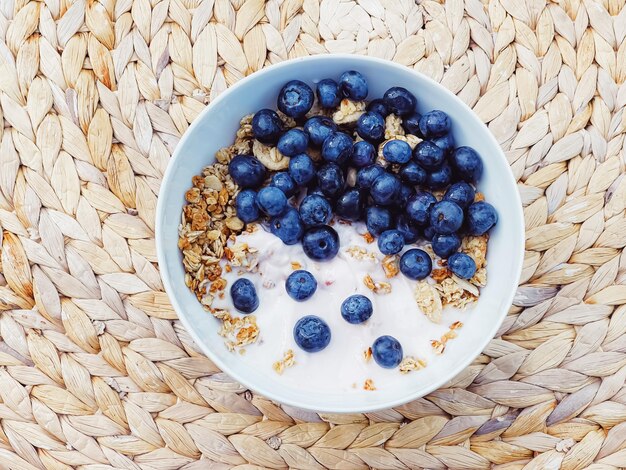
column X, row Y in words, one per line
column 95, row 370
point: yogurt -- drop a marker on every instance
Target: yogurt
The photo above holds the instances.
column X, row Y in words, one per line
column 395, row 313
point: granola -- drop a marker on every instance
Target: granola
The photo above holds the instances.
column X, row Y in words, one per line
column 375, row 286
column 428, row 300
column 349, row 112
column 288, row 360
column 439, row 345
column 410, row 363
column 369, row 385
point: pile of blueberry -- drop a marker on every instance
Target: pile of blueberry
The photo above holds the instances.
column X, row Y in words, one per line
column 393, row 198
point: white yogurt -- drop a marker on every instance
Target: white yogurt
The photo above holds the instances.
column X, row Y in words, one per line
column 341, row 365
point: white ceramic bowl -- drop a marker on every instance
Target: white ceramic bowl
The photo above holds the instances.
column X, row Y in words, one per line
column 215, row 128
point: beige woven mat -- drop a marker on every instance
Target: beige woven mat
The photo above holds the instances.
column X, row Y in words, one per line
column 95, row 370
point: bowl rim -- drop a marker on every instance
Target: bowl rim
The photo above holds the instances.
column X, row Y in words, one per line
column 268, row 393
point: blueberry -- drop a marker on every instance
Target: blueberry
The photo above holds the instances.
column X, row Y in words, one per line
column 247, row 171
column 284, row 182
column 445, row 245
column 301, row 169
column 247, row 210
column 366, row 176
column 318, row 128
column 378, row 219
column 462, row 265
column 439, row 178
column 400, row 101
column 320, row 243
column 243, row 293
column 337, row 148
column 429, row 233
column 416, row 264
column 419, row 206
column 446, row 217
column 315, row 210
column 445, row 143
column 407, row 229
column 390, row 242
column 271, row 200
column 295, row 99
column 353, row 85
column 467, row 164
column 350, row 204
column 397, row 151
column 266, row 126
column 412, row 173
column 435, row 124
column 461, row 193
column 406, row 193
column 481, row 216
column 356, row 309
column 387, row 351
column 385, row 189
column 330, row 179
column 371, row 126
column 288, row 227
column 378, row 106
column 411, row 124
column 300, row 285
column 311, row 333
column 428, row 155
column 328, row 94
column 292, row 142
column 363, row 154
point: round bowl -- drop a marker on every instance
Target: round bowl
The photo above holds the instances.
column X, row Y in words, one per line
column 215, row 127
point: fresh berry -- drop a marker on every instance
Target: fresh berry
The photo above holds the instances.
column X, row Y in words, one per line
column 481, row 216
column 365, row 176
column 243, row 293
column 428, row 155
column 439, row 178
column 363, row 154
column 295, row 99
column 429, row 233
column 266, row 126
column 415, row 264
column 378, row 106
column 446, row 217
column 337, row 148
column 390, row 242
column 467, row 164
column 300, row 285
column 445, row 142
column 315, row 210
column 411, row 124
column 387, row 352
column 284, row 182
column 320, row 243
column 400, row 101
column 311, row 333
column 318, row 128
column 461, row 193
column 288, row 227
column 412, row 173
column 371, row 126
column 350, row 204
column 419, row 206
column 385, row 189
column 407, row 229
column 328, row 94
column 247, row 210
column 247, row 171
column 330, row 179
column 292, row 142
column 356, row 309
column 271, row 200
column 462, row 265
column 434, row 124
column 353, row 85
column 406, row 193
column 301, row 169
column 446, row 245
column 378, row 219
column 397, row 151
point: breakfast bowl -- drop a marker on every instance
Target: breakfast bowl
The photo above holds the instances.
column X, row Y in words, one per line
column 320, row 381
